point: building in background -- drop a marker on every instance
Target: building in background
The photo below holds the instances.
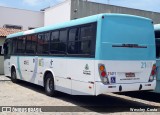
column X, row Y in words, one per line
column 20, row 19
column 73, row 9
column 3, row 33
column 14, row 20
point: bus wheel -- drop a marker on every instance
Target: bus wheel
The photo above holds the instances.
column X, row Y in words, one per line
column 49, row 85
column 14, row 76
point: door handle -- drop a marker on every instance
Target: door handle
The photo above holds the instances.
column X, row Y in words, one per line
column 68, row 77
column 25, row 70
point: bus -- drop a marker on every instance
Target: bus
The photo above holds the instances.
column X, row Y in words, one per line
column 87, row 56
column 157, row 37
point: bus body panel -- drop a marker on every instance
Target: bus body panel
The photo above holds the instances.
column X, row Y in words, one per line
column 69, row 74
column 119, row 41
column 117, row 70
column 7, row 67
column 126, row 45
column 102, row 89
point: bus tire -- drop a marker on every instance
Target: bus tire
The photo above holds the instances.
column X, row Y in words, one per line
column 49, row 85
column 14, row 76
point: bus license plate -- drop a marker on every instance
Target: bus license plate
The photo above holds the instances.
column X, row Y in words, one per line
column 130, row 74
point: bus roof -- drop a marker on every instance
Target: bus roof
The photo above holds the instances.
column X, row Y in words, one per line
column 157, row 27
column 75, row 22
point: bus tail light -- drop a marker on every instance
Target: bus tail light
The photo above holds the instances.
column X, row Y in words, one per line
column 103, row 74
column 153, row 73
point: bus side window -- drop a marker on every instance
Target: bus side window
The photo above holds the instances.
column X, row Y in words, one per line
column 54, row 42
column 7, row 48
column 31, row 43
column 43, row 43
column 14, row 46
column 87, row 40
column 73, row 41
column 21, row 45
column 63, row 41
column 58, row 42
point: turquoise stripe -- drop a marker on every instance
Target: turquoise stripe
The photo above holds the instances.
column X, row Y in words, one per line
column 35, row 70
column 19, row 70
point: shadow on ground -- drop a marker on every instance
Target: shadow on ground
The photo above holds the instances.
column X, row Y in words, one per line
column 145, row 95
column 101, row 103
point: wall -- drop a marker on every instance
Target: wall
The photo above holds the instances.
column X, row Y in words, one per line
column 57, row 14
column 2, row 40
column 90, row 8
column 21, row 17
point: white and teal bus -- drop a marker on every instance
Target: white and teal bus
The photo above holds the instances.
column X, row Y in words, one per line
column 157, row 36
column 88, row 56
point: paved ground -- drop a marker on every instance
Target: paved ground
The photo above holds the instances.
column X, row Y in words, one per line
column 26, row 94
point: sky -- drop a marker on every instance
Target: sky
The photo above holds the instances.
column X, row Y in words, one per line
column 37, row 5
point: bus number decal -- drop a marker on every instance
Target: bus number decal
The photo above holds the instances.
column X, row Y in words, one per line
column 143, row 64
column 146, row 65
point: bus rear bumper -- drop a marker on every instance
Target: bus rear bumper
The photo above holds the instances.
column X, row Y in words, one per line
column 101, row 88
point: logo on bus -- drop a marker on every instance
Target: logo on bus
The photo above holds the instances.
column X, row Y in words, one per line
column 26, row 62
column 113, row 79
column 86, row 67
column 41, row 62
column 86, row 71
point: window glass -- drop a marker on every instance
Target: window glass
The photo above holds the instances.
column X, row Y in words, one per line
column 63, row 36
column 86, row 33
column 31, row 44
column 55, row 36
column 58, row 48
column 21, row 45
column 43, row 43
column 83, row 44
column 58, row 42
column 73, row 47
column 14, row 46
column 73, row 34
column 85, row 47
column 34, row 43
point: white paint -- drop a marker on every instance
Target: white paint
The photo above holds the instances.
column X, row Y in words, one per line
column 57, row 14
column 80, row 83
column 24, row 18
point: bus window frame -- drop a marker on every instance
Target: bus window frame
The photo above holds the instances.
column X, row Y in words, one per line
column 66, row 54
